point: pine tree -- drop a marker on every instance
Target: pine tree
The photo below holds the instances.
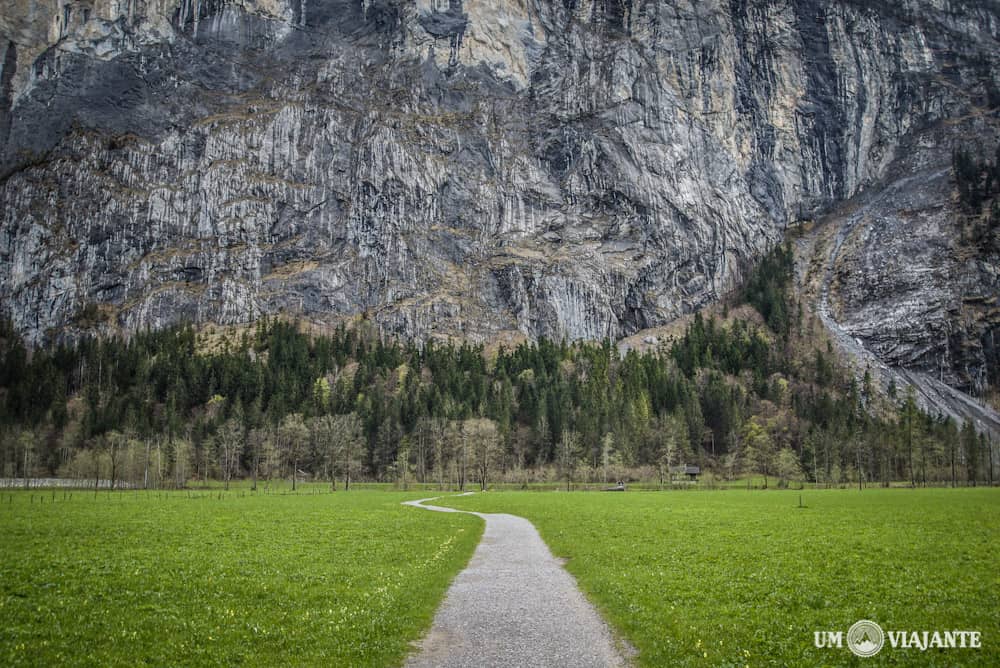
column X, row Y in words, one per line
column 909, row 417
column 970, row 447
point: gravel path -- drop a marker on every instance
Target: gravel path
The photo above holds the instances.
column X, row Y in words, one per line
column 514, row 605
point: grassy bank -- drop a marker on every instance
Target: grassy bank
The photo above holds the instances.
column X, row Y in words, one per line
column 736, row 578
column 182, row 578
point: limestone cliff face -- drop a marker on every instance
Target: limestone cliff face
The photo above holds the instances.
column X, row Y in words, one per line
column 567, row 168
column 905, row 280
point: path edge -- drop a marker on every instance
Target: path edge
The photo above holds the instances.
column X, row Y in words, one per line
column 625, row 649
column 416, row 644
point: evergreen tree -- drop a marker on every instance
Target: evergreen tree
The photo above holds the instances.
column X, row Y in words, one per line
column 970, row 448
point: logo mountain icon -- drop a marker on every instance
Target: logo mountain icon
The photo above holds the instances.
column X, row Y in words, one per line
column 865, row 638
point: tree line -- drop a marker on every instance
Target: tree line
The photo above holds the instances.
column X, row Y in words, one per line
column 735, row 395
column 977, row 182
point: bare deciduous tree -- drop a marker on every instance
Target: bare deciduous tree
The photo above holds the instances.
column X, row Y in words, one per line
column 26, row 444
column 116, row 444
column 569, row 447
column 484, row 443
column 229, row 441
column 442, row 448
column 257, row 440
column 292, row 436
column 349, row 442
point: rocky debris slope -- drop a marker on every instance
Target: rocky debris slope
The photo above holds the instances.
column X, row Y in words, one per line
column 566, row 168
column 904, row 296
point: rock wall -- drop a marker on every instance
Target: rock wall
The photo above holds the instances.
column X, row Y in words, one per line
column 566, row 168
column 906, row 280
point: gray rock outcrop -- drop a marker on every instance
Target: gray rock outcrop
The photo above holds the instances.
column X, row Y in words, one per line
column 566, row 168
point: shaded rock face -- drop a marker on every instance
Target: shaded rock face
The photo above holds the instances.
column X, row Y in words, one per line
column 566, row 168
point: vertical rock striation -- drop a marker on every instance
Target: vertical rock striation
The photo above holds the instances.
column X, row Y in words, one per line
column 566, row 168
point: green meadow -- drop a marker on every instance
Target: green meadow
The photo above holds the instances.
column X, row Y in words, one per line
column 214, row 578
column 739, row 578
column 725, row 578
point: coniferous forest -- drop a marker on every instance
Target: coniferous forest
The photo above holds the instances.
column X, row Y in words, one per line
column 752, row 394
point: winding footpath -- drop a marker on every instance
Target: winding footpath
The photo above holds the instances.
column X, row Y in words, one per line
column 514, row 605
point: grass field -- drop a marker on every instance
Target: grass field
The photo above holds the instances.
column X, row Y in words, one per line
column 735, row 578
column 127, row 578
